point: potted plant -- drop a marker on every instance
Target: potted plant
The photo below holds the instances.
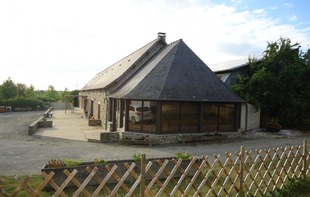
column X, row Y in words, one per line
column 273, row 125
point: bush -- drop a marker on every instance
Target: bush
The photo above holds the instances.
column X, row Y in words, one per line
column 295, row 187
column 34, row 104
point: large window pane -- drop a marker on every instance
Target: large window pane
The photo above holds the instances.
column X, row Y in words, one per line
column 209, row 117
column 149, row 116
column 135, row 115
column 141, row 116
column 227, row 117
column 189, row 117
column 170, row 117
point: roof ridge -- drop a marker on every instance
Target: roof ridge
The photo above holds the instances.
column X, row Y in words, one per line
column 175, row 41
column 155, row 40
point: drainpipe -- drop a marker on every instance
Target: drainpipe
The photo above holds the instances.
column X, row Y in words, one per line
column 246, row 117
column 106, row 110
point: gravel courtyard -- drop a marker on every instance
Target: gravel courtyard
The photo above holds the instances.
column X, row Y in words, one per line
column 21, row 154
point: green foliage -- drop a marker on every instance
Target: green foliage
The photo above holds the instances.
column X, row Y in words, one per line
column 69, row 96
column 9, row 184
column 73, row 162
column 295, row 187
column 34, row 104
column 278, row 84
column 100, row 162
column 19, row 95
column 137, row 156
column 21, row 89
column 185, row 155
column 63, row 95
column 8, row 90
column 29, row 92
column 51, row 94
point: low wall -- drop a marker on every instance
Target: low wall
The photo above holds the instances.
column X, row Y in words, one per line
column 152, row 139
column 106, row 137
column 61, row 105
column 45, row 123
column 22, row 109
column 32, row 128
column 41, row 122
column 45, row 115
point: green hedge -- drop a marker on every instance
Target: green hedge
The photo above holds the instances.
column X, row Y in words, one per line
column 34, row 104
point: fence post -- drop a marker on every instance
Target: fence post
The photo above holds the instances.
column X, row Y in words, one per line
column 304, row 157
column 142, row 182
column 241, row 181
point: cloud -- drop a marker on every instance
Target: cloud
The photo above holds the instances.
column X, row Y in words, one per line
column 292, row 18
column 288, row 5
column 274, row 8
column 259, row 12
column 75, row 40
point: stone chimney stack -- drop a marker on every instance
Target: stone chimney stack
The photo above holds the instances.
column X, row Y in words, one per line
column 162, row 35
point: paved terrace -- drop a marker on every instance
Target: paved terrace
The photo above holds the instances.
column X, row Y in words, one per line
column 71, row 124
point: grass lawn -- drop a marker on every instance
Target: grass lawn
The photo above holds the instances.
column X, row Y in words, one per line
column 299, row 187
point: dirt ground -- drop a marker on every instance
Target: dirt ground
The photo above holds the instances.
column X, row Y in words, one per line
column 21, row 154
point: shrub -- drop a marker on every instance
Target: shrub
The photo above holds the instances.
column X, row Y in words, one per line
column 73, row 162
column 32, row 103
column 100, row 162
column 137, row 156
column 185, row 155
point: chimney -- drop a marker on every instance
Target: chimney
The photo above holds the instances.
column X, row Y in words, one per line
column 162, row 35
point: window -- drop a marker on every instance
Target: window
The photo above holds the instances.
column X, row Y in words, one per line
column 141, row 117
column 209, row 117
column 170, row 119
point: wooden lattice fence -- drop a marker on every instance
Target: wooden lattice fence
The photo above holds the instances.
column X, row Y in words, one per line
column 245, row 173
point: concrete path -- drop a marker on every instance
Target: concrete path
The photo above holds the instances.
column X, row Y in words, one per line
column 71, row 124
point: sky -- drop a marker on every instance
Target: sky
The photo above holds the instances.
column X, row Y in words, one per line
column 65, row 43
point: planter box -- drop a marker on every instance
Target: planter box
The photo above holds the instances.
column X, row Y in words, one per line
column 82, row 174
column 273, row 127
column 94, row 122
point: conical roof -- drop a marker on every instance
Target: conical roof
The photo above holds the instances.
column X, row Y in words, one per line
column 176, row 73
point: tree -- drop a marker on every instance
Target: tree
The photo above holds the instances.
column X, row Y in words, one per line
column 278, row 84
column 51, row 94
column 21, row 89
column 63, row 95
column 29, row 92
column 8, row 90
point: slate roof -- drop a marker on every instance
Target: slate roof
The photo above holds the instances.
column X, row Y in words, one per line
column 176, row 73
column 112, row 73
column 232, row 64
